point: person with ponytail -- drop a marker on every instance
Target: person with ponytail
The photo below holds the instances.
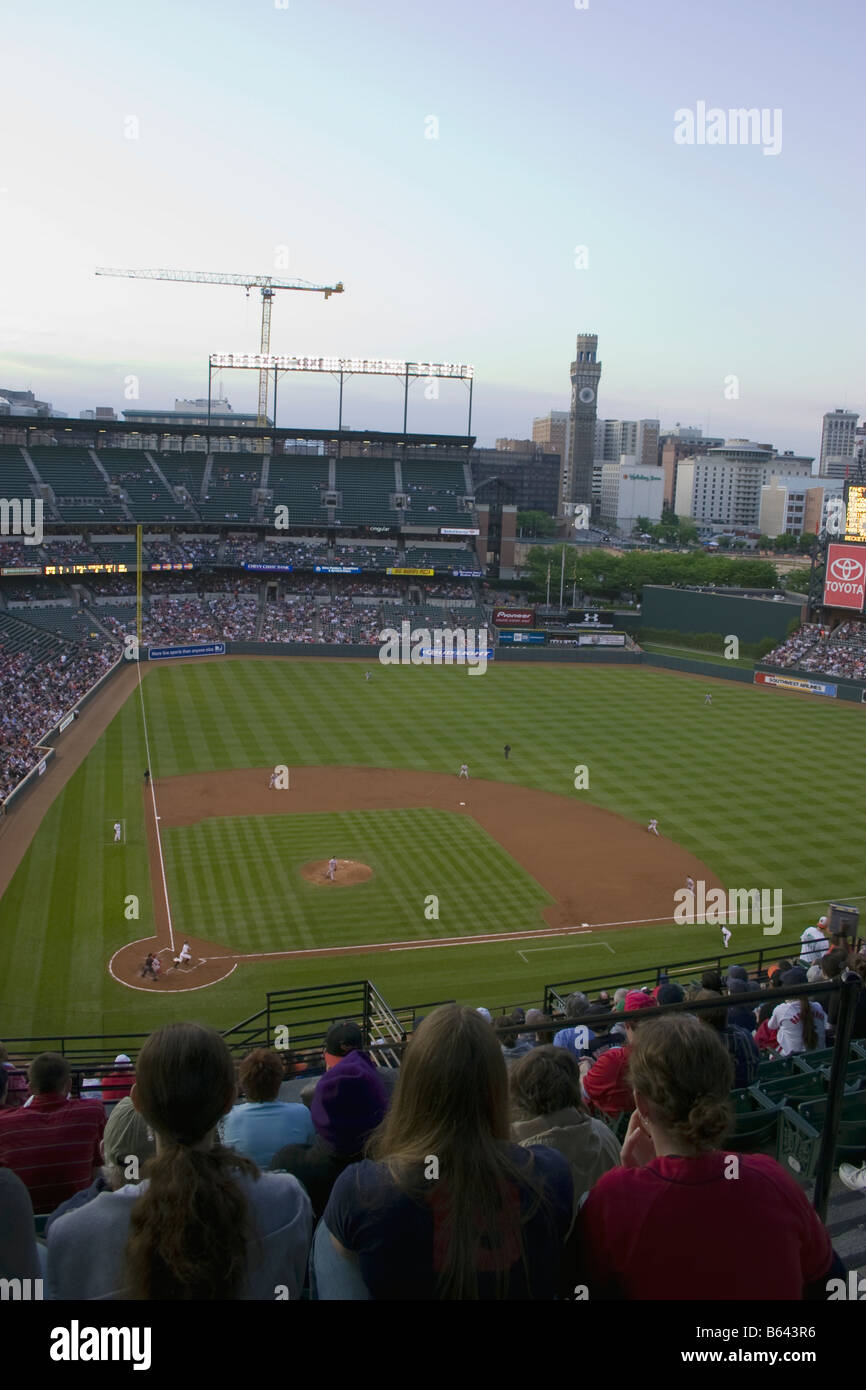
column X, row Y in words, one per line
column 203, row 1223
column 801, row 1023
column 682, row 1218
column 445, row 1206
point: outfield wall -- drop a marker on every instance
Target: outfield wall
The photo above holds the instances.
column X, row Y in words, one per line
column 750, row 618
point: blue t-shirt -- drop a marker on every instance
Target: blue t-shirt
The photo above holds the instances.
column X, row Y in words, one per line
column 400, row 1239
column 259, row 1128
column 576, row 1039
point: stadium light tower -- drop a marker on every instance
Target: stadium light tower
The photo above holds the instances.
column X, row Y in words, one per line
column 266, row 283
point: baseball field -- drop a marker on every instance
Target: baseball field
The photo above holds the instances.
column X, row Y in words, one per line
column 444, row 887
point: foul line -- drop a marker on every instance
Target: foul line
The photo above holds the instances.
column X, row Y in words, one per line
column 644, row 921
column 155, row 816
column 575, row 946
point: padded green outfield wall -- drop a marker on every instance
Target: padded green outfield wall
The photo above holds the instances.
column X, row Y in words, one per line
column 691, row 610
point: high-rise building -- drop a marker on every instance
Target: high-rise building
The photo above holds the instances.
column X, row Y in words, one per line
column 838, row 437
column 552, row 432
column 516, row 446
column 723, row 486
column 576, row 480
column 630, row 489
column 529, row 479
column 681, row 442
column 637, row 438
column 795, row 504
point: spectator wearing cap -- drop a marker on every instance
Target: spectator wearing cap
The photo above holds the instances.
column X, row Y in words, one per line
column 547, row 1108
column 740, row 1015
column 350, row 1101
column 605, row 1081
column 801, row 1023
column 738, row 1041
column 127, row 1144
column 346, row 1037
column 120, row 1082
column 670, row 994
column 262, row 1124
column 814, row 943
column 576, row 1037
column 52, row 1143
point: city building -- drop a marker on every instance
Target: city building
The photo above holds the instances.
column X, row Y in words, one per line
column 683, row 441
column 23, row 403
column 515, row 446
column 838, row 437
column 723, row 486
column 630, row 489
column 795, row 504
column 553, row 432
column 529, row 480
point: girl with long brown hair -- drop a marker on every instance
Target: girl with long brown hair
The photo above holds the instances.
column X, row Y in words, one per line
column 204, row 1223
column 445, row 1206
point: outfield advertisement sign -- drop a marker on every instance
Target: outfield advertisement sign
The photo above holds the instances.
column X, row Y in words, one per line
column 337, row 569
column 467, row 574
column 514, row 617
column 199, row 649
column 513, row 637
column 22, row 571
column 427, row 573
column 845, row 580
column 800, row 683
column 267, row 565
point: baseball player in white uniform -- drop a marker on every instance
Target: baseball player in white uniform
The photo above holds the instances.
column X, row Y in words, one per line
column 726, row 933
column 690, row 885
column 708, row 698
column 464, row 771
column 332, row 869
column 185, row 955
column 117, row 832
column 653, row 827
column 273, row 781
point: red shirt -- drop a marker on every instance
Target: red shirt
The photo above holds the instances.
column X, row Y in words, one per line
column 53, row 1146
column 680, row 1229
column 117, row 1085
column 606, row 1083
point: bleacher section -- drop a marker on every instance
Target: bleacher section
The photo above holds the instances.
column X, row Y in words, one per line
column 148, row 499
column 182, row 470
column 442, row 560
column 19, row 636
column 17, row 480
column 434, row 488
column 230, row 488
column 62, row 620
column 367, row 486
column 298, row 483
column 80, row 491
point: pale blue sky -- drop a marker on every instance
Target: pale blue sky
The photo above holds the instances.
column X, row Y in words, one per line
column 305, row 127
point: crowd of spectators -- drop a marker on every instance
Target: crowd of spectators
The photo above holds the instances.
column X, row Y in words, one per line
column 16, row 553
column 838, row 652
column 175, row 621
column 486, row 1167
column 35, row 695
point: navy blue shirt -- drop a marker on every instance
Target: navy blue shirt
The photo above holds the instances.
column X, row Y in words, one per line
column 400, row 1239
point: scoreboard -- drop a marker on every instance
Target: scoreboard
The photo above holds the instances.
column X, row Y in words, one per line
column 855, row 512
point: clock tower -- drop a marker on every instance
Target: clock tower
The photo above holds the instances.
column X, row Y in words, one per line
column 576, row 479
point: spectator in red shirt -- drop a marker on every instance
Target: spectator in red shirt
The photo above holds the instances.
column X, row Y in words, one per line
column 52, row 1143
column 640, row 1232
column 766, row 1040
column 120, row 1082
column 605, row 1082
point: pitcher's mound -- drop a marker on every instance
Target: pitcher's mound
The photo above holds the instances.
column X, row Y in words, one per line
column 349, row 871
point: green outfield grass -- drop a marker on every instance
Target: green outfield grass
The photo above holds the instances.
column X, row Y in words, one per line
column 766, row 788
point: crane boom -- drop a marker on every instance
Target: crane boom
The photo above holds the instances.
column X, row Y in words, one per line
column 266, row 283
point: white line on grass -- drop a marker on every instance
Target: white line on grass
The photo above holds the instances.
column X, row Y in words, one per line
column 646, row 921
column 575, row 946
column 155, row 816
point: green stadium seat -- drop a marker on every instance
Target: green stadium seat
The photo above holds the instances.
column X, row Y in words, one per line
column 787, row 1090
column 755, row 1126
column 800, row 1135
column 859, row 1047
column 855, row 1071
column 814, row 1061
column 773, row 1067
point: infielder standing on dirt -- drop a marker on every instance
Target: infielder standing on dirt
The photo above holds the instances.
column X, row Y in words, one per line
column 464, row 771
column 653, row 827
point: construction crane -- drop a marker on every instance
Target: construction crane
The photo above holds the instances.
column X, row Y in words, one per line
column 266, row 283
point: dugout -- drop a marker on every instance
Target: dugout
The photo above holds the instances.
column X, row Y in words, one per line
column 751, row 615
